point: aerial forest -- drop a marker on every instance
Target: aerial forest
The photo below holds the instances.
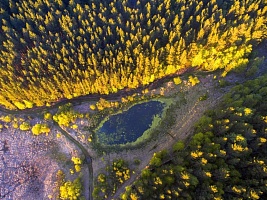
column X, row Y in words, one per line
column 226, row 158
column 58, row 49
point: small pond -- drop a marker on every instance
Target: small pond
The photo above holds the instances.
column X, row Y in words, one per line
column 129, row 125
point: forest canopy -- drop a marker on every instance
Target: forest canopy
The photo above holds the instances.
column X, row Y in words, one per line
column 53, row 49
column 226, row 158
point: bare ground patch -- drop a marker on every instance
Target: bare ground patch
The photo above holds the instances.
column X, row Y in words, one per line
column 28, row 164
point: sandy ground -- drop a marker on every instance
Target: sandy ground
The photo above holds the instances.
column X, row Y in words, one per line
column 28, row 164
column 25, row 168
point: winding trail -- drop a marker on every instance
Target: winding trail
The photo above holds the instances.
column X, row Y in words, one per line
column 184, row 126
column 180, row 131
column 87, row 98
column 88, row 159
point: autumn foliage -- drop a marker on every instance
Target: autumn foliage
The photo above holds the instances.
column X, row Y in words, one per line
column 63, row 49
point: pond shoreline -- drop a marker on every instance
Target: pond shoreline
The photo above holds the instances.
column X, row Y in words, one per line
column 135, row 120
column 146, row 136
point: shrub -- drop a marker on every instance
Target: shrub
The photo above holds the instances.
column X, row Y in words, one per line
column 47, row 116
column 178, row 146
column 177, row 80
column 71, row 190
column 193, row 80
column 6, row 119
column 37, row 129
column 25, row 126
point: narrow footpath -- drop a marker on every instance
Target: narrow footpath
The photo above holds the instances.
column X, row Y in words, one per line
column 88, row 159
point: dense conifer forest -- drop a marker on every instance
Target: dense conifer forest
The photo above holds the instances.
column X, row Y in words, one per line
column 225, row 159
column 54, row 49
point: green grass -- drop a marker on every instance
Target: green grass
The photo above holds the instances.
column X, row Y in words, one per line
column 159, row 125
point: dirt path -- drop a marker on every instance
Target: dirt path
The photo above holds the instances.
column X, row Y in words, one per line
column 189, row 115
column 185, row 118
column 180, row 131
column 88, row 160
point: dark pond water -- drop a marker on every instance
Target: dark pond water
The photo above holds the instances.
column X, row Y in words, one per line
column 129, row 125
